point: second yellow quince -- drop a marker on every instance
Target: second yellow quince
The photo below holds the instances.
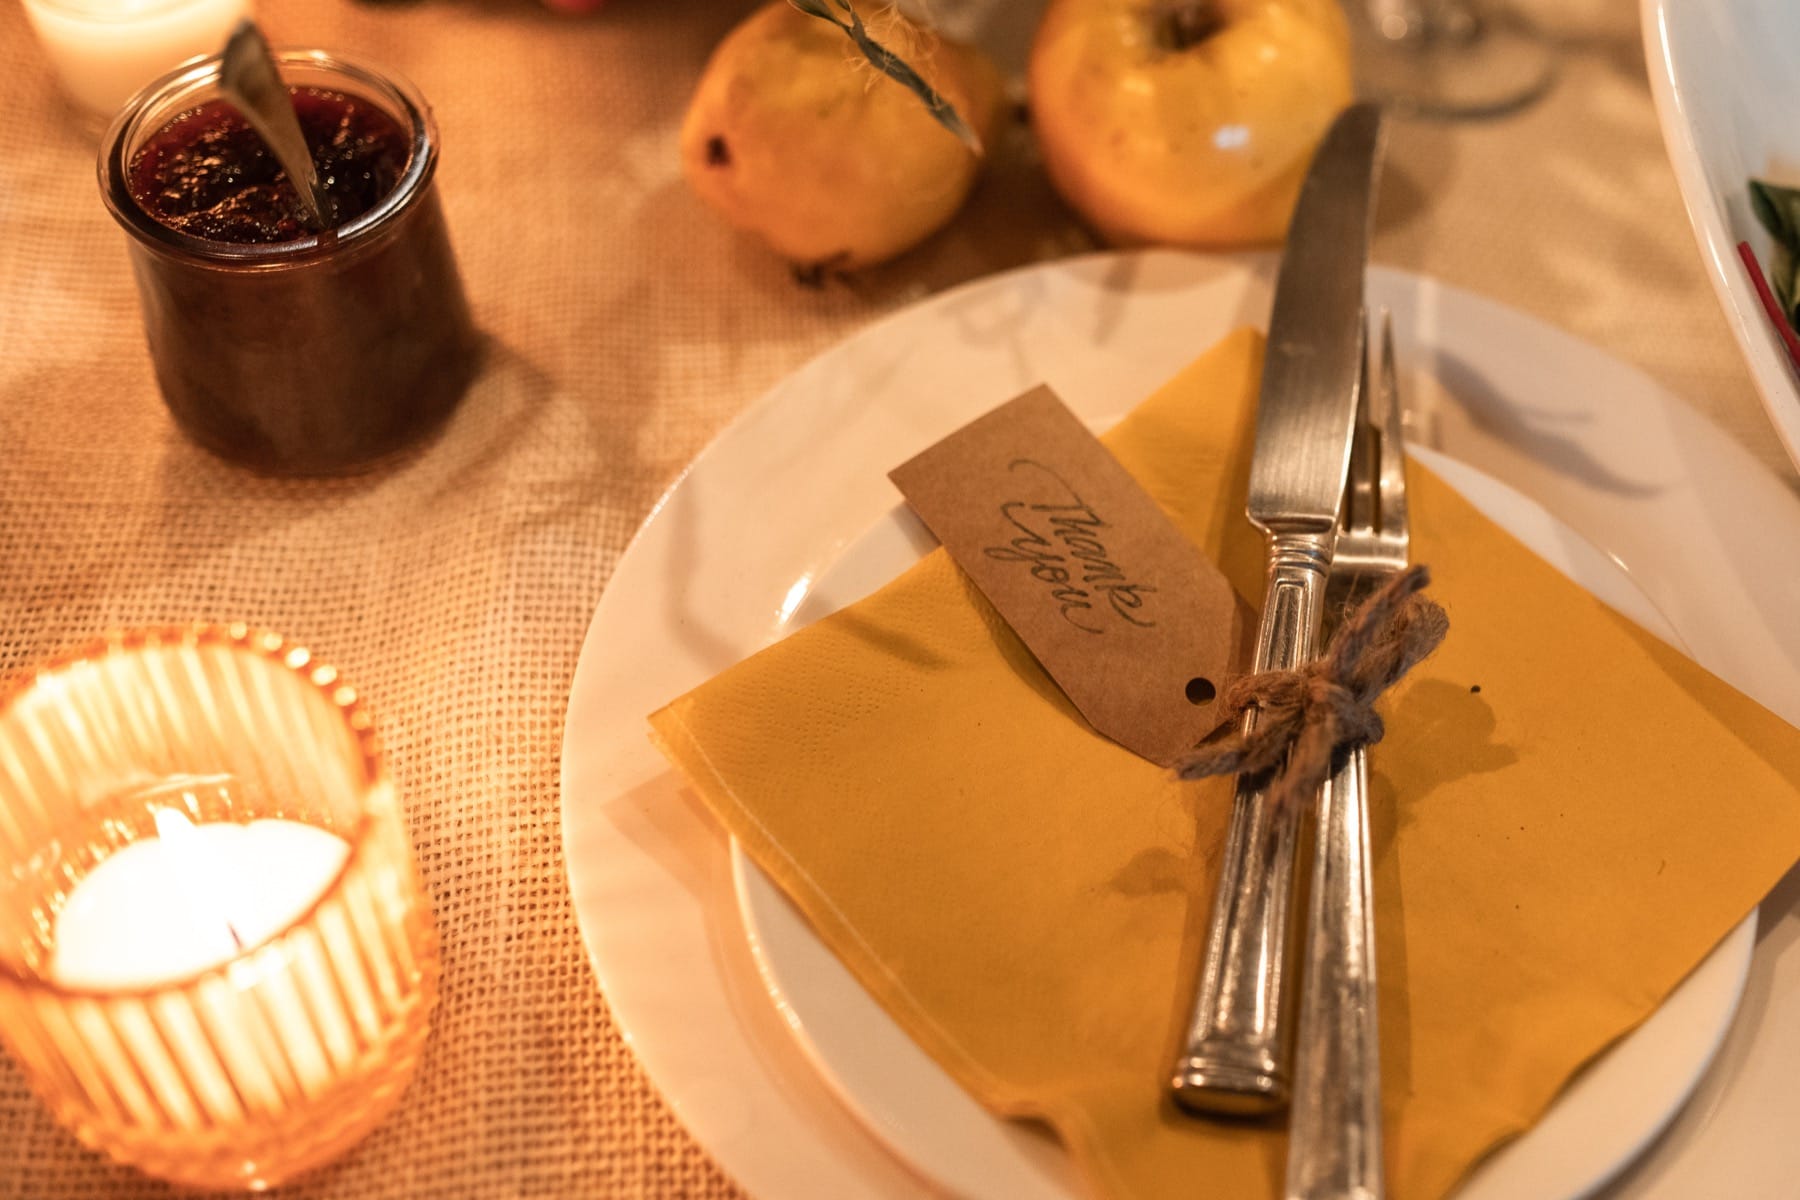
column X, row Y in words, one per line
column 1188, row 122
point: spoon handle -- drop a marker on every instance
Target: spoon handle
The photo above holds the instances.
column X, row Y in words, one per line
column 248, row 77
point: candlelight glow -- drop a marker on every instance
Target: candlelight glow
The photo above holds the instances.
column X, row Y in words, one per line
column 173, row 826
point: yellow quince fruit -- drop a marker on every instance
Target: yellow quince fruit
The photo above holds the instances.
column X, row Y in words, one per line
column 795, row 137
column 1189, row 122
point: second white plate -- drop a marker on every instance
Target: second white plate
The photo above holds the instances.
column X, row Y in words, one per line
column 910, row 1102
column 1726, row 79
column 735, row 547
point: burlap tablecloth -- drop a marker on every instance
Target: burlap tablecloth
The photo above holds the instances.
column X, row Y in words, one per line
column 627, row 327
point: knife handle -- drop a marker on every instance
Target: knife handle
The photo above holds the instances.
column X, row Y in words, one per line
column 1235, row 1056
column 1334, row 1127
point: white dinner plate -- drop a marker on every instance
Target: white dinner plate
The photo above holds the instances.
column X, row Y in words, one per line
column 1726, row 77
column 914, row 1105
column 732, row 552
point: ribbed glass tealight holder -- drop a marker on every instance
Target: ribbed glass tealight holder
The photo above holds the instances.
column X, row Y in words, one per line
column 217, row 962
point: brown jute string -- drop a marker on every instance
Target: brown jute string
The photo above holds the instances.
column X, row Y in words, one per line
column 1306, row 715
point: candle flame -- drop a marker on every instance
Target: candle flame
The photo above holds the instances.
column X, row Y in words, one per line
column 174, row 827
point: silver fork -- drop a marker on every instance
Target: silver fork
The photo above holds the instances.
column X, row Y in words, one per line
column 1334, row 1124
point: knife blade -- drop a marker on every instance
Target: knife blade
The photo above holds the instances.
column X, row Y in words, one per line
column 1235, row 1058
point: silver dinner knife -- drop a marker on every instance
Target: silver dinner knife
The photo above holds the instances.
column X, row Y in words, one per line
column 1334, row 1120
column 1235, row 1056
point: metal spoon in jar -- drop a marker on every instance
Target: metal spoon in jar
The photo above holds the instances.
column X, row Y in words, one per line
column 248, row 77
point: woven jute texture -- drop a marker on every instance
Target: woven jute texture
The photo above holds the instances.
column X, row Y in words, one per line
column 626, row 326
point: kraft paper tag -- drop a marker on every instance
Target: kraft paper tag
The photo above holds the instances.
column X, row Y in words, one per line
column 1133, row 623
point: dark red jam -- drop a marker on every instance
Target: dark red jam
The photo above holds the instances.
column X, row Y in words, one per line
column 209, row 175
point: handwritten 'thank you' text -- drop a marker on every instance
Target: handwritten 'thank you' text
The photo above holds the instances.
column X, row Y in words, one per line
column 1060, row 540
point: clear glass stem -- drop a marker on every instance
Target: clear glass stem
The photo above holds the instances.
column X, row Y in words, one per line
column 1449, row 58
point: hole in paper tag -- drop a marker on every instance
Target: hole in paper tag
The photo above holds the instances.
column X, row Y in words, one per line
column 1121, row 610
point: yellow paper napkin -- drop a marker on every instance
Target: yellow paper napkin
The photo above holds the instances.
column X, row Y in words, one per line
column 1568, row 815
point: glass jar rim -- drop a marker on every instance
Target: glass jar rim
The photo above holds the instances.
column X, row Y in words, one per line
column 283, row 654
column 192, row 76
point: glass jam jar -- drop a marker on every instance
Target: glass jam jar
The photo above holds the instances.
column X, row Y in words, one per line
column 321, row 354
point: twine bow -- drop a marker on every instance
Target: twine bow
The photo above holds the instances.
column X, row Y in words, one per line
column 1306, row 715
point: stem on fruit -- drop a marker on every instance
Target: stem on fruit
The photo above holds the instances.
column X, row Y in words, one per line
column 1180, row 24
column 893, row 66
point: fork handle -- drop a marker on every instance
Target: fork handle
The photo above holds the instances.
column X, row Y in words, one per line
column 1334, row 1126
column 1234, row 1059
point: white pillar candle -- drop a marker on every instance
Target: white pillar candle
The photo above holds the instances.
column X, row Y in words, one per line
column 165, row 908
column 105, row 50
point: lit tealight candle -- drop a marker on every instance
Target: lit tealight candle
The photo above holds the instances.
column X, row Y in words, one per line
column 168, row 907
column 105, row 50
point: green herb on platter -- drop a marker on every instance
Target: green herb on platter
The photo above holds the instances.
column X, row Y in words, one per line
column 891, row 65
column 1777, row 210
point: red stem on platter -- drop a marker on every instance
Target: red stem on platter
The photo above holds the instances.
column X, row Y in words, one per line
column 1770, row 305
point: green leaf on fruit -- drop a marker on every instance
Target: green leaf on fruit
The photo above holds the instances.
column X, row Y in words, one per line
column 1777, row 210
column 891, row 65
